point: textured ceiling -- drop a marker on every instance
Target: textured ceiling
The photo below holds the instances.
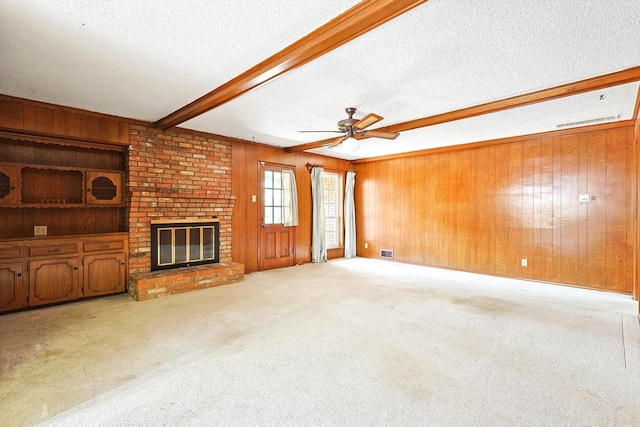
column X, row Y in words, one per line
column 145, row 59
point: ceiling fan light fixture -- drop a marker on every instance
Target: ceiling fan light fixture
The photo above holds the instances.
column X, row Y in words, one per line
column 350, row 144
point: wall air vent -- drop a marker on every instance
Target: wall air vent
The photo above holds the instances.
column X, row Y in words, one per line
column 386, row 253
column 588, row 121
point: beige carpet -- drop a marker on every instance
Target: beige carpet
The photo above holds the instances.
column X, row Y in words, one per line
column 353, row 342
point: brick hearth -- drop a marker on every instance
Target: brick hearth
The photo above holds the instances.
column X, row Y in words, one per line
column 156, row 284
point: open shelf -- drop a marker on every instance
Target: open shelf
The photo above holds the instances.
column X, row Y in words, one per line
column 71, row 190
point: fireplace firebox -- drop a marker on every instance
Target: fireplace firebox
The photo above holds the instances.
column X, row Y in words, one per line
column 184, row 243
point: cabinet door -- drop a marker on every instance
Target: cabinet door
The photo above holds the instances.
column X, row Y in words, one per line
column 104, row 274
column 11, row 286
column 54, row 280
column 104, row 188
column 9, row 184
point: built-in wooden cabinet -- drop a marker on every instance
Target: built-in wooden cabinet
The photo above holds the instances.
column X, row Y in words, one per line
column 53, row 280
column 104, row 274
column 11, row 285
column 62, row 220
column 40, row 271
column 9, row 184
column 104, row 188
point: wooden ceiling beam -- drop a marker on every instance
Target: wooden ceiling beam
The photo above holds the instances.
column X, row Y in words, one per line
column 358, row 20
column 613, row 79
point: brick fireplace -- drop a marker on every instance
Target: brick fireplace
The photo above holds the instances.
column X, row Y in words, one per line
column 175, row 176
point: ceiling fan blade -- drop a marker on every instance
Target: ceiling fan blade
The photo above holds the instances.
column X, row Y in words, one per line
column 367, row 121
column 337, row 142
column 319, row 131
column 380, row 134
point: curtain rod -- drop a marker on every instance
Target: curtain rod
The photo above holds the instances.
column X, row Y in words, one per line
column 311, row 166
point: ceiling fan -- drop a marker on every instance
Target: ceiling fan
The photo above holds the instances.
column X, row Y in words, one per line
column 353, row 130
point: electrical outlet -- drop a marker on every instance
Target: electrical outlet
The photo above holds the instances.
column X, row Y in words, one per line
column 366, row 245
column 524, row 262
column 40, row 230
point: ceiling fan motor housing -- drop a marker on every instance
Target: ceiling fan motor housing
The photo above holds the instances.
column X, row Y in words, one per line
column 346, row 124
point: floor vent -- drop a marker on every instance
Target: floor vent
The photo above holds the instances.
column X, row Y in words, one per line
column 386, row 253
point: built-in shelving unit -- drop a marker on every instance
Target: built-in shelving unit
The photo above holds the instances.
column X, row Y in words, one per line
column 71, row 189
column 63, row 231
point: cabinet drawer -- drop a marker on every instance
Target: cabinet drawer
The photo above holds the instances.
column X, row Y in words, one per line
column 53, row 250
column 103, row 246
column 7, row 251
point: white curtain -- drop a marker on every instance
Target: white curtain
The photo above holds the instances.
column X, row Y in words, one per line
column 318, row 248
column 350, row 217
column 290, row 205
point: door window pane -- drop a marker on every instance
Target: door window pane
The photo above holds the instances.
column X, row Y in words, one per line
column 273, row 197
column 277, row 215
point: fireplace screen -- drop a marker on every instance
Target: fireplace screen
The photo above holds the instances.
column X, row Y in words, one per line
column 180, row 244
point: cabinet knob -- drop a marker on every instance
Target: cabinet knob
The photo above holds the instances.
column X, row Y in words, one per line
column 54, row 250
column 75, row 268
column 19, row 274
column 106, row 245
column 122, row 263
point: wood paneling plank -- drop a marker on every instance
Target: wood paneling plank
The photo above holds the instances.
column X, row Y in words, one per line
column 530, row 206
column 570, row 210
column 59, row 125
column 403, row 212
column 29, row 117
column 502, row 210
column 453, row 212
column 44, row 120
column 11, row 114
column 484, row 210
column 616, row 221
column 91, row 127
column 470, row 195
column 545, row 258
column 515, row 191
column 110, row 130
column 631, row 225
column 597, row 210
column 74, row 124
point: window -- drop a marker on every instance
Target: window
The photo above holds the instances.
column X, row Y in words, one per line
column 273, row 197
column 333, row 196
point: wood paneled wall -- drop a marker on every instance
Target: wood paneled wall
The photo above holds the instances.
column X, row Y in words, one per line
column 22, row 115
column 485, row 209
column 246, row 182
